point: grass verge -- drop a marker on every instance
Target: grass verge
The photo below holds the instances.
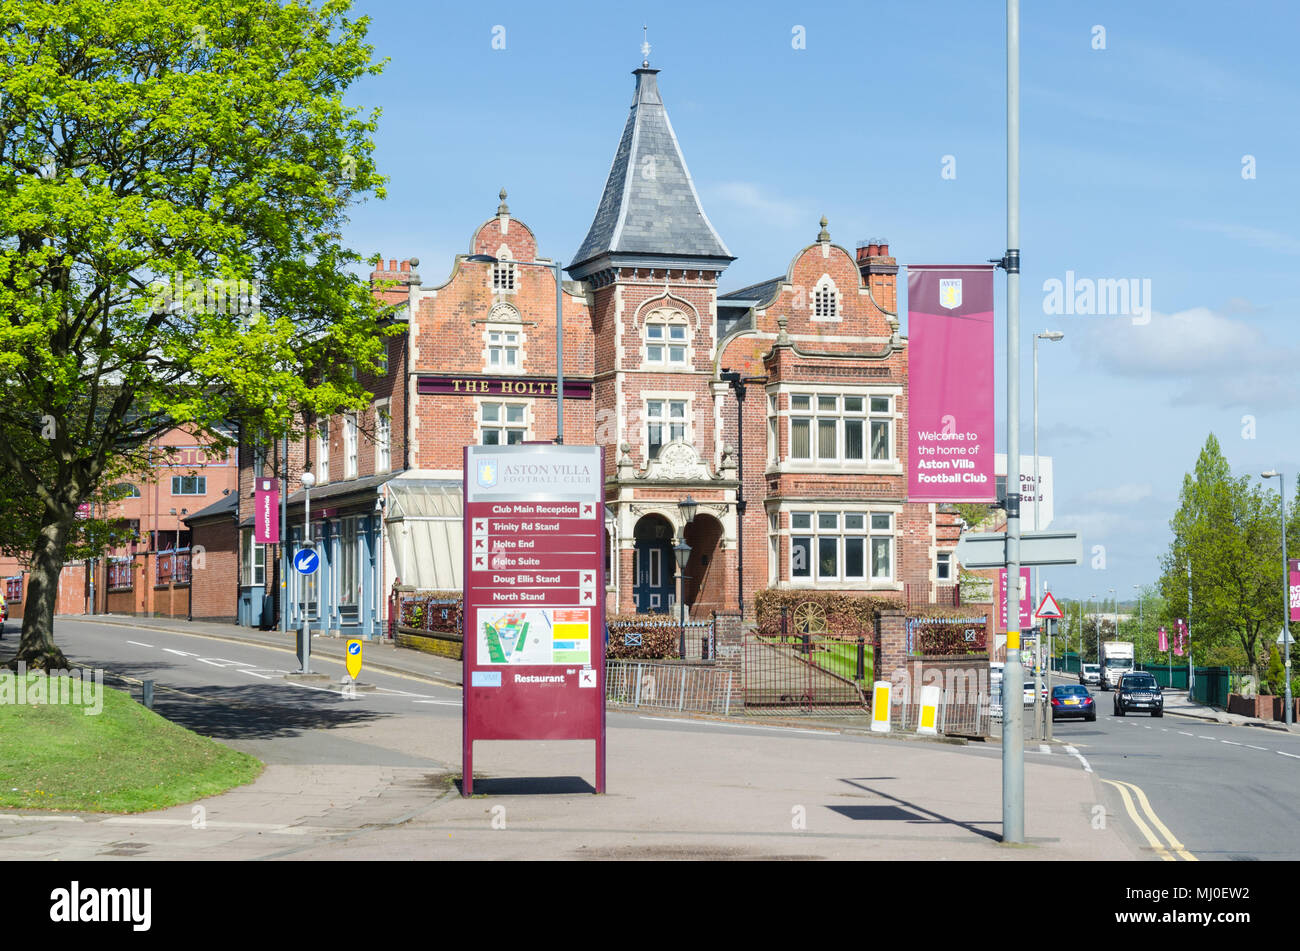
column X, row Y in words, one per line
column 122, row 759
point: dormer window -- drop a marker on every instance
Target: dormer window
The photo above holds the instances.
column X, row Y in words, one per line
column 826, row 299
column 667, row 340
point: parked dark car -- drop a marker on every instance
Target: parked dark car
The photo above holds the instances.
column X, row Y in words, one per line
column 1139, row 693
column 1072, row 700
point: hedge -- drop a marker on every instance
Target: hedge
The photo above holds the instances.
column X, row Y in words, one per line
column 853, row 614
column 660, row 636
column 940, row 636
column 432, row 611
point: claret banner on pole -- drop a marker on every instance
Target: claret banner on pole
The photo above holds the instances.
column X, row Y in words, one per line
column 950, row 383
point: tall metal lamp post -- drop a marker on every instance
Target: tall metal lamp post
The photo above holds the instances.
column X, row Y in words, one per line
column 1286, row 596
column 1052, row 335
column 554, row 266
column 308, row 480
column 682, row 552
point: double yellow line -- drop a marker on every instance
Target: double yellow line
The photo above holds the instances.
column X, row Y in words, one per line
column 1164, row 852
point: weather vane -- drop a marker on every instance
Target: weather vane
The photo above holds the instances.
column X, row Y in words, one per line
column 645, row 47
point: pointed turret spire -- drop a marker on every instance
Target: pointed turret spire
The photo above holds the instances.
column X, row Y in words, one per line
column 649, row 214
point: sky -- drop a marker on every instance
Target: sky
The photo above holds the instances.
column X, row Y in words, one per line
column 1158, row 145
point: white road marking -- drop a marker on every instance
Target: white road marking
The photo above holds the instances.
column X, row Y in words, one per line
column 1184, row 733
column 1079, row 756
column 256, row 674
column 1230, row 742
column 138, row 644
column 294, row 683
column 1210, row 738
column 741, row 726
column 1044, row 748
column 222, row 662
column 13, row 818
column 441, row 703
column 1253, row 747
column 171, row 650
column 1292, row 755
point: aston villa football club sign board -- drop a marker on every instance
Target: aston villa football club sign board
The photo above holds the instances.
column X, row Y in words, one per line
column 950, row 384
column 534, row 589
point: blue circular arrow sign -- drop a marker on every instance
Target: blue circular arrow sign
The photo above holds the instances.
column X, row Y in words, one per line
column 306, row 561
column 354, row 648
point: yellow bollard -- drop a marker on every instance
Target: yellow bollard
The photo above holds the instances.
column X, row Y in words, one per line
column 929, row 710
column 880, row 692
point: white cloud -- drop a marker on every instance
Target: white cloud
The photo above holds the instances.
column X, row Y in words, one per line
column 1264, row 238
column 1208, row 357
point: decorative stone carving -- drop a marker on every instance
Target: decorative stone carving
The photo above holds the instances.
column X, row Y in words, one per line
column 626, row 467
column 678, row 462
column 504, row 314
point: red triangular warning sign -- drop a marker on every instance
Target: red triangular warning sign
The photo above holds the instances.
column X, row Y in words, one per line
column 1048, row 609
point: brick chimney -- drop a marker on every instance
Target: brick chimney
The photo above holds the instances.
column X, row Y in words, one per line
column 403, row 272
column 879, row 272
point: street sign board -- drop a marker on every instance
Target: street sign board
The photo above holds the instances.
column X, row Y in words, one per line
column 306, row 561
column 1293, row 589
column 1048, row 608
column 354, row 658
column 266, row 508
column 534, row 589
column 1026, row 586
column 988, row 549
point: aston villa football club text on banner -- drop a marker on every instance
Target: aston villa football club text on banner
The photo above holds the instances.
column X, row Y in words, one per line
column 950, row 383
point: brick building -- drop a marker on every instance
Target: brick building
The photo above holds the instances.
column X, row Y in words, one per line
column 779, row 410
column 146, row 569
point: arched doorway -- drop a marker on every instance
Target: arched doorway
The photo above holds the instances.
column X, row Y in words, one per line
column 653, row 568
column 705, row 587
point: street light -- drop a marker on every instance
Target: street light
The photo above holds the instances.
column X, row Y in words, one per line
column 308, row 480
column 687, row 507
column 1052, row 335
column 1286, row 595
column 682, row 552
column 559, row 330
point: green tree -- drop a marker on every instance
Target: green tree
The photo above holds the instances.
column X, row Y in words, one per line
column 174, row 176
column 1224, row 562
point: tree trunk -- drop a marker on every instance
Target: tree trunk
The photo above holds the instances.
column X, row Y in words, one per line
column 37, row 648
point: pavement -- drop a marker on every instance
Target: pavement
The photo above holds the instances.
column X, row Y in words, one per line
column 740, row 788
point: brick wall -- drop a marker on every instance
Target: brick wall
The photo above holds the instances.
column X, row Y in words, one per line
column 213, row 587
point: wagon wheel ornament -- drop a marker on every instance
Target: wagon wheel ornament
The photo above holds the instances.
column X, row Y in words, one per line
column 810, row 618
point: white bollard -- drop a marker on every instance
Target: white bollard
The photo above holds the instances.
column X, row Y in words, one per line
column 880, row 692
column 929, row 710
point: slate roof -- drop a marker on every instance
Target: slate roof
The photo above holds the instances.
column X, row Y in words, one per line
column 223, row 506
column 754, row 294
column 649, row 206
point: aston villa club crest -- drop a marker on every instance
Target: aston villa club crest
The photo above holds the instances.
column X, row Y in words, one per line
column 950, row 293
column 487, row 473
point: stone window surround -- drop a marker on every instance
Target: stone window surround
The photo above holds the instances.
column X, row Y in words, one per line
column 666, row 318
column 384, row 407
column 868, row 466
column 836, row 300
column 504, row 326
column 480, row 423
column 869, row 507
column 647, row 396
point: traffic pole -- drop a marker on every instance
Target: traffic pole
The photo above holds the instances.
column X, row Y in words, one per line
column 1013, row 687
